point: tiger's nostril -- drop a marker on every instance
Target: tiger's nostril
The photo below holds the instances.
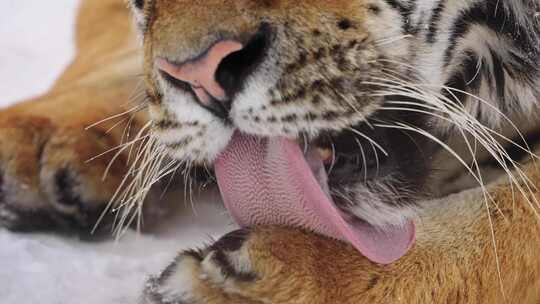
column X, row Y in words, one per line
column 200, row 72
column 219, row 73
column 198, row 76
column 236, row 67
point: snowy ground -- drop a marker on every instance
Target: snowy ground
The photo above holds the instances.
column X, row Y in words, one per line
column 36, row 44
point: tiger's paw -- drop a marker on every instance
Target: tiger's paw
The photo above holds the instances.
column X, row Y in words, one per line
column 46, row 181
column 262, row 265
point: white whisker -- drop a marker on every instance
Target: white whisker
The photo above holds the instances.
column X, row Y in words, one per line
column 130, row 111
column 369, row 140
column 364, row 160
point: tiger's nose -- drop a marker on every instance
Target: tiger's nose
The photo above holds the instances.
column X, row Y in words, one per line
column 218, row 73
column 200, row 73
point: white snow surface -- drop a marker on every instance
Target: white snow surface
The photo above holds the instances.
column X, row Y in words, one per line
column 36, row 45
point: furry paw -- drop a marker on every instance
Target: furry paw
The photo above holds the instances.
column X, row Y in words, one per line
column 264, row 265
column 205, row 276
column 46, row 181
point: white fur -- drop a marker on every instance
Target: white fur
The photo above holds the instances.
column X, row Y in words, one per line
column 370, row 207
column 185, row 110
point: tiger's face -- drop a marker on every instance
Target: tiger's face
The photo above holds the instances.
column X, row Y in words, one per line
column 314, row 76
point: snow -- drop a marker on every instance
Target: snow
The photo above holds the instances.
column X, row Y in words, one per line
column 46, row 269
column 39, row 268
column 34, row 53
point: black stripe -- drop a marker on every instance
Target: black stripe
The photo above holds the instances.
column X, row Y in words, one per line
column 395, row 4
column 516, row 153
column 494, row 16
column 473, row 71
column 434, row 22
column 470, row 75
column 457, row 82
column 498, row 76
column 405, row 11
column 466, row 79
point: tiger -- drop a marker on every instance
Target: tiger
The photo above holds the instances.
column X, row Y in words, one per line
column 372, row 151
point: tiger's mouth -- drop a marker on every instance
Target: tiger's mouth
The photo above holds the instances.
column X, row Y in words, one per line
column 278, row 181
column 265, row 177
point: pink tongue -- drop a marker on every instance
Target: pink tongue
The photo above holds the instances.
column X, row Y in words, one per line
column 269, row 182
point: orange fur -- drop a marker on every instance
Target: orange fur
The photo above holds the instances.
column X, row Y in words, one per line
column 453, row 261
column 48, row 134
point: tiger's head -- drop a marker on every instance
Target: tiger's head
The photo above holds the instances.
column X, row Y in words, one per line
column 307, row 110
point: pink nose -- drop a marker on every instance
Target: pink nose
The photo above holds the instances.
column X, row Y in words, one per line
column 200, row 73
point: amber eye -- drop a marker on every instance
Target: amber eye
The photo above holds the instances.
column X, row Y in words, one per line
column 139, row 4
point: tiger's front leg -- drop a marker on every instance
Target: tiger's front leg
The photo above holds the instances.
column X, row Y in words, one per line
column 51, row 163
column 53, row 167
column 453, row 261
